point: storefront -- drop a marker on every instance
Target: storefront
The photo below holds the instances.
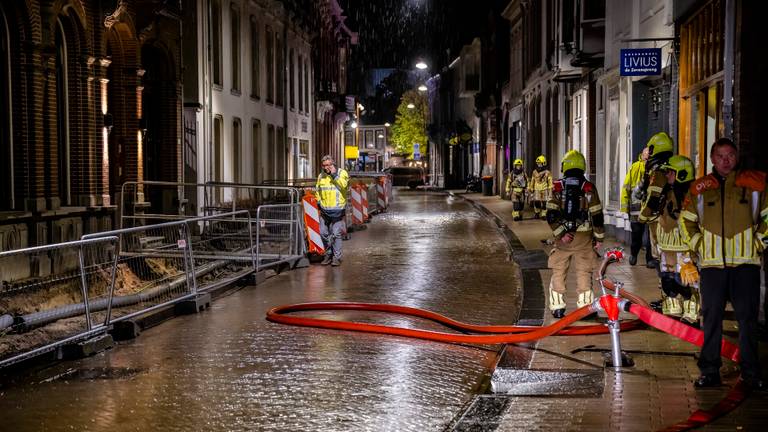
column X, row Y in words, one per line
column 701, row 82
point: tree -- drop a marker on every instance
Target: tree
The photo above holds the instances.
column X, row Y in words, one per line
column 410, row 124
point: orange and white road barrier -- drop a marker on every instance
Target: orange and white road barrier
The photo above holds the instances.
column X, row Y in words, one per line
column 357, row 205
column 312, row 224
column 364, row 196
column 381, row 195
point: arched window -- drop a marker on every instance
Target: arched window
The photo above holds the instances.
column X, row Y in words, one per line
column 6, row 141
column 62, row 115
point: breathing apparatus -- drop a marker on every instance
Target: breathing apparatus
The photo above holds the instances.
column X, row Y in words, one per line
column 573, row 167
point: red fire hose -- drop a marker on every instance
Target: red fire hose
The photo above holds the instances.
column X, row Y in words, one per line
column 518, row 334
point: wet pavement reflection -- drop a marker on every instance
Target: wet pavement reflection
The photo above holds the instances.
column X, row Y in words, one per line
column 228, row 369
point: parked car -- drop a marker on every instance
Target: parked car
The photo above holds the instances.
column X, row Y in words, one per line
column 407, row 176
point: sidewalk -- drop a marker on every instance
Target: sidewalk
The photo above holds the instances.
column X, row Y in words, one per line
column 657, row 392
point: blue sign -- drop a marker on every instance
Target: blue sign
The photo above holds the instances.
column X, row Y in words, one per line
column 640, row 61
column 416, row 153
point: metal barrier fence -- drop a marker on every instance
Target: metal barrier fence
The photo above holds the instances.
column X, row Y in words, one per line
column 68, row 284
column 152, row 202
column 169, row 262
column 279, row 234
column 212, row 199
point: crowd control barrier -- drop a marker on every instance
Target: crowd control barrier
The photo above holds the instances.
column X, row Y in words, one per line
column 71, row 284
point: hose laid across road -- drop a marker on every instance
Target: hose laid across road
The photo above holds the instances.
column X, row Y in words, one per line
column 517, row 334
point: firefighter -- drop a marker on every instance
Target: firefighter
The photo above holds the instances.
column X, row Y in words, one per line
column 575, row 215
column 677, row 268
column 632, row 198
column 725, row 220
column 660, row 148
column 331, row 193
column 540, row 187
column 517, row 182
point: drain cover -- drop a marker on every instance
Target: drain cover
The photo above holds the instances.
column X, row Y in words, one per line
column 564, row 382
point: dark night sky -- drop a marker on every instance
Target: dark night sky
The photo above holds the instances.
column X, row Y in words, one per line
column 393, row 33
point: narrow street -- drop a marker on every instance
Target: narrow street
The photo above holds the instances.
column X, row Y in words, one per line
column 230, row 369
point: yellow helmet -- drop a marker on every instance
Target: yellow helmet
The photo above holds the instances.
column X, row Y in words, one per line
column 573, row 160
column 541, row 160
column 517, row 162
column 659, row 143
column 683, row 168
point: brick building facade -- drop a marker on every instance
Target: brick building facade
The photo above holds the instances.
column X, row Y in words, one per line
column 91, row 99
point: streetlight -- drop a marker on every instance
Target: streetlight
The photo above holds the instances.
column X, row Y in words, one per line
column 411, row 106
column 422, row 88
column 353, row 125
column 386, row 124
column 421, row 65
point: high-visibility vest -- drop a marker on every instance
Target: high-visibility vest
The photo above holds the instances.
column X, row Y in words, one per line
column 331, row 193
column 634, row 179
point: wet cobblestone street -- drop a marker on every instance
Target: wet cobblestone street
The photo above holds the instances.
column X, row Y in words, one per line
column 228, row 369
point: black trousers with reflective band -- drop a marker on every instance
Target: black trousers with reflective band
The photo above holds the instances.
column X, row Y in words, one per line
column 741, row 286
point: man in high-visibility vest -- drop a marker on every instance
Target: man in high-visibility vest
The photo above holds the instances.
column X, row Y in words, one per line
column 632, row 197
column 725, row 220
column 331, row 194
column 540, row 187
column 575, row 215
column 517, row 182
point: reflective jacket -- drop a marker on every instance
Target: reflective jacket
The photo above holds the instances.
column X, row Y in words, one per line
column 651, row 207
column 540, row 180
column 518, row 182
column 331, row 192
column 726, row 224
column 631, row 195
column 590, row 206
column 672, row 248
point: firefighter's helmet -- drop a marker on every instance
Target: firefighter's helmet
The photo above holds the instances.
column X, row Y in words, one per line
column 517, row 162
column 658, row 144
column 541, row 160
column 683, row 168
column 573, row 160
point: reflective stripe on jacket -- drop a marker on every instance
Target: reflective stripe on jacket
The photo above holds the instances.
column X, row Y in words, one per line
column 331, row 192
column 540, row 180
column 726, row 227
column 634, row 179
column 590, row 204
column 668, row 237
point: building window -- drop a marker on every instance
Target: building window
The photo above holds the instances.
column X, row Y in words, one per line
column 701, row 83
column 255, row 75
column 256, row 175
column 6, row 142
column 270, row 45
column 272, row 152
column 62, row 115
column 217, row 170
column 292, row 75
column 306, row 85
column 234, row 15
column 281, row 170
column 237, row 151
column 301, row 83
column 216, row 42
column 279, row 71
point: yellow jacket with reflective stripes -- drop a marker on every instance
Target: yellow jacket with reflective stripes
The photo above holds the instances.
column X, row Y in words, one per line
column 651, row 208
column 668, row 237
column 634, row 179
column 590, row 204
column 540, row 180
column 331, row 191
column 726, row 224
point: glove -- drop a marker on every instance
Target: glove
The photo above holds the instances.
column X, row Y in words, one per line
column 689, row 274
